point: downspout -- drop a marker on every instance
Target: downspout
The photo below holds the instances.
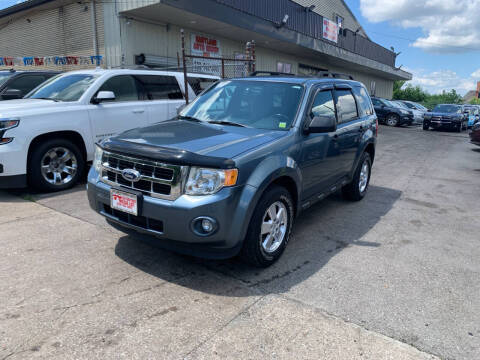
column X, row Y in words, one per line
column 94, row 27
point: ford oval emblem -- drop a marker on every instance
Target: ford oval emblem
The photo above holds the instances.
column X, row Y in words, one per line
column 131, row 175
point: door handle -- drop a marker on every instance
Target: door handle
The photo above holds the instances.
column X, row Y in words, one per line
column 138, row 111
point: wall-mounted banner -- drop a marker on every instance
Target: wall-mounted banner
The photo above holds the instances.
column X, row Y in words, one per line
column 330, row 30
column 208, row 47
column 50, row 60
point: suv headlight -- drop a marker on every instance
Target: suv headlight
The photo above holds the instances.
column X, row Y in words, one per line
column 97, row 159
column 6, row 124
column 202, row 181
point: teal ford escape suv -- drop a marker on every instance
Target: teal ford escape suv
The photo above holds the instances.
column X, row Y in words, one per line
column 238, row 164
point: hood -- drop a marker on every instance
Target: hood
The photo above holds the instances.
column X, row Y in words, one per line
column 21, row 106
column 208, row 140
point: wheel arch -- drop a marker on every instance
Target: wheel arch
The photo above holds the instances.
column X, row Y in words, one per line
column 370, row 148
column 70, row 135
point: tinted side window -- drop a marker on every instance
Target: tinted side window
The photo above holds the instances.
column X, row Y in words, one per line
column 363, row 101
column 124, row 87
column 25, row 83
column 323, row 104
column 346, row 106
column 199, row 84
column 158, row 87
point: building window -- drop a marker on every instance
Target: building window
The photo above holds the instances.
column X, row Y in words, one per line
column 284, row 67
column 339, row 21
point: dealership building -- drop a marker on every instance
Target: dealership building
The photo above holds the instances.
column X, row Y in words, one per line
column 301, row 37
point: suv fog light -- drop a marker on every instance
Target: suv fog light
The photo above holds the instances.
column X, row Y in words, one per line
column 204, row 226
column 207, row 225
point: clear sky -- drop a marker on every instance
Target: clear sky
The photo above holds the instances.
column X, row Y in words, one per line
column 439, row 40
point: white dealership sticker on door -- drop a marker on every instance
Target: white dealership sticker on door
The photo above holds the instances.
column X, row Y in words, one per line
column 124, row 201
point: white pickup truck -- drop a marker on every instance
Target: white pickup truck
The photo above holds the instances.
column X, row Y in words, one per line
column 47, row 138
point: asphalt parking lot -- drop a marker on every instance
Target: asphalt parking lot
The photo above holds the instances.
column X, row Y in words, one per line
column 396, row 276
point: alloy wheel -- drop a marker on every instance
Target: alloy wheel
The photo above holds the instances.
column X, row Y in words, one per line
column 59, row 166
column 364, row 174
column 392, row 120
column 274, row 227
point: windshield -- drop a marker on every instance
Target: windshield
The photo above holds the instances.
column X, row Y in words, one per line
column 389, row 103
column 63, row 87
column 410, row 105
column 4, row 77
column 448, row 109
column 400, row 104
column 258, row 104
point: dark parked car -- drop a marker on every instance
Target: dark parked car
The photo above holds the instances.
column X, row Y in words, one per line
column 231, row 172
column 447, row 116
column 392, row 114
column 475, row 134
column 17, row 84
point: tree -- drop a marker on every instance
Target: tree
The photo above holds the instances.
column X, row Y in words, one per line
column 475, row 101
column 417, row 94
column 409, row 92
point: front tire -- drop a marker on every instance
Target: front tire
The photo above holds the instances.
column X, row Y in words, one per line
column 269, row 229
column 357, row 189
column 426, row 127
column 392, row 120
column 55, row 164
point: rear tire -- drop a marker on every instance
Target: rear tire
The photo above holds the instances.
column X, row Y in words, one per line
column 55, row 165
column 426, row 127
column 357, row 189
column 258, row 248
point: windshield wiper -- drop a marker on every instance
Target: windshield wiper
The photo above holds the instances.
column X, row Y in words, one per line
column 190, row 118
column 47, row 98
column 225, row 122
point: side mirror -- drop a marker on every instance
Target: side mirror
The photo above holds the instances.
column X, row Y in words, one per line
column 103, row 96
column 322, row 124
column 11, row 94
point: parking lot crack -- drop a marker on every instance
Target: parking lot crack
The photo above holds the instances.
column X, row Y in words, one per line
column 346, row 321
column 221, row 328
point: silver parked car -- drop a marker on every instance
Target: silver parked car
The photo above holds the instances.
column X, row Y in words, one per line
column 417, row 109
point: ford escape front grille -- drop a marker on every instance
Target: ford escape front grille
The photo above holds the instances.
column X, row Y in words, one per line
column 163, row 181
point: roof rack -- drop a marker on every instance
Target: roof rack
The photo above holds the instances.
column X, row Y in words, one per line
column 270, row 73
column 334, row 75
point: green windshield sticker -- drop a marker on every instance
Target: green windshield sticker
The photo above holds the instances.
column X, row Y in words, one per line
column 282, row 125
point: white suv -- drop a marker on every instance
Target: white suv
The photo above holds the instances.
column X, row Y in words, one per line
column 47, row 137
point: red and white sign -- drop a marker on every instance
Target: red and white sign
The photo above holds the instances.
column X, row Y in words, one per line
column 208, row 47
column 330, row 30
column 123, row 201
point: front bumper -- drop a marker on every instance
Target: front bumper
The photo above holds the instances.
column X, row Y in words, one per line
column 13, row 163
column 227, row 207
column 406, row 120
column 446, row 124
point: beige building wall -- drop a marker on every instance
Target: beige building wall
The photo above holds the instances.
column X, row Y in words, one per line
column 158, row 39
column 59, row 31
